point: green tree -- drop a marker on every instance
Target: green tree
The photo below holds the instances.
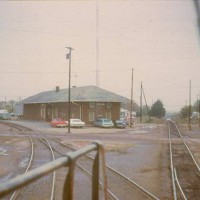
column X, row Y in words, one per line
column 145, row 110
column 184, row 112
column 10, row 106
column 157, row 109
column 196, row 105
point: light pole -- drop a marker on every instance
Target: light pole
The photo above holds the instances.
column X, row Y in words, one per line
column 199, row 107
column 68, row 56
column 4, row 102
column 189, row 119
column 130, row 122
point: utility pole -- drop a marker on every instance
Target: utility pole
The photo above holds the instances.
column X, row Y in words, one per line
column 97, row 44
column 199, row 108
column 130, row 122
column 146, row 104
column 5, row 102
column 68, row 56
column 189, row 118
column 141, row 102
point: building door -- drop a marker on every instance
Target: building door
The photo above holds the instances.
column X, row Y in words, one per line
column 100, row 107
column 49, row 113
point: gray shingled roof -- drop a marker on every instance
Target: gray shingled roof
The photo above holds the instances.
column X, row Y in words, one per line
column 78, row 94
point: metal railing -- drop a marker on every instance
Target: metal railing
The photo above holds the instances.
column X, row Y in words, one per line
column 68, row 161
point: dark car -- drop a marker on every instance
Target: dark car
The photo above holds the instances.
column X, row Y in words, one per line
column 120, row 124
column 103, row 123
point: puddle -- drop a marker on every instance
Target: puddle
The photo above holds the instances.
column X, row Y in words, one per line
column 117, row 147
column 152, row 126
column 9, row 176
column 3, row 151
column 24, row 162
column 136, row 131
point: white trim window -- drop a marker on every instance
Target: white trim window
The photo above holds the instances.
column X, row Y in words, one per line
column 42, row 111
column 91, row 116
column 108, row 115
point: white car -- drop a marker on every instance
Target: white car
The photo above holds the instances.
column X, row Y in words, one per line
column 77, row 123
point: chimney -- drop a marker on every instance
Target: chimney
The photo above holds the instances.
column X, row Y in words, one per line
column 57, row 89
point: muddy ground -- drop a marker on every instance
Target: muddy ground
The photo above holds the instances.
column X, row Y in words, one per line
column 140, row 153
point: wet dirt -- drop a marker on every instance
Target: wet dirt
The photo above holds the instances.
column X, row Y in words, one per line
column 13, row 152
column 140, row 153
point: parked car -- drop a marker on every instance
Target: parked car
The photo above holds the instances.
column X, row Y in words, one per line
column 128, row 120
column 103, row 122
column 12, row 114
column 76, row 123
column 120, row 124
column 5, row 116
column 58, row 122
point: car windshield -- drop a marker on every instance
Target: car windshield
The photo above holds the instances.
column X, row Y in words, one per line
column 58, row 119
column 76, row 120
column 107, row 120
column 119, row 121
column 5, row 114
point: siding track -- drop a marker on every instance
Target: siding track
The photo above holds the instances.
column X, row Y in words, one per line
column 120, row 186
column 184, row 166
column 40, row 154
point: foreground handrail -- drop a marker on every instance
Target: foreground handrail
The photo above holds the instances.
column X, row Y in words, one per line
column 68, row 161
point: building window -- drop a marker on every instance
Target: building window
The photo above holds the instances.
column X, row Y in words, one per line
column 55, row 112
column 108, row 115
column 42, row 113
column 108, row 105
column 91, row 105
column 91, row 116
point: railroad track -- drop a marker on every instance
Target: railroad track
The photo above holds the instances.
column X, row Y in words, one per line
column 120, row 187
column 128, row 188
column 39, row 155
column 184, row 166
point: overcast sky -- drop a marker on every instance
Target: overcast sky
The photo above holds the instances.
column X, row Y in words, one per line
column 158, row 38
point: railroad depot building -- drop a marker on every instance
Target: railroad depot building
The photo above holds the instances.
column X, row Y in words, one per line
column 87, row 104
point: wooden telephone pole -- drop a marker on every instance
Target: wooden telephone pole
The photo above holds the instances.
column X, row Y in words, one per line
column 130, row 122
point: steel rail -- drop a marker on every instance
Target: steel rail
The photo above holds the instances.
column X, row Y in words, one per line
column 128, row 180
column 141, row 189
column 17, row 126
column 14, row 195
column 179, row 185
column 132, row 183
column 171, row 164
column 87, row 173
column 45, row 169
column 191, row 138
column 21, row 128
column 173, row 169
column 54, row 172
column 191, row 154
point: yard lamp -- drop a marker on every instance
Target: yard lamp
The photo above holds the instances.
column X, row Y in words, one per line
column 68, row 56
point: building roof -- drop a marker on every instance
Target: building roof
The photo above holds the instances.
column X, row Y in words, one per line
column 78, row 94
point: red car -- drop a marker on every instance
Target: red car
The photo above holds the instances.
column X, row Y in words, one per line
column 58, row 122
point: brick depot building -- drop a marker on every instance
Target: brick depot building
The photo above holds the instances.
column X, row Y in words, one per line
column 87, row 104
